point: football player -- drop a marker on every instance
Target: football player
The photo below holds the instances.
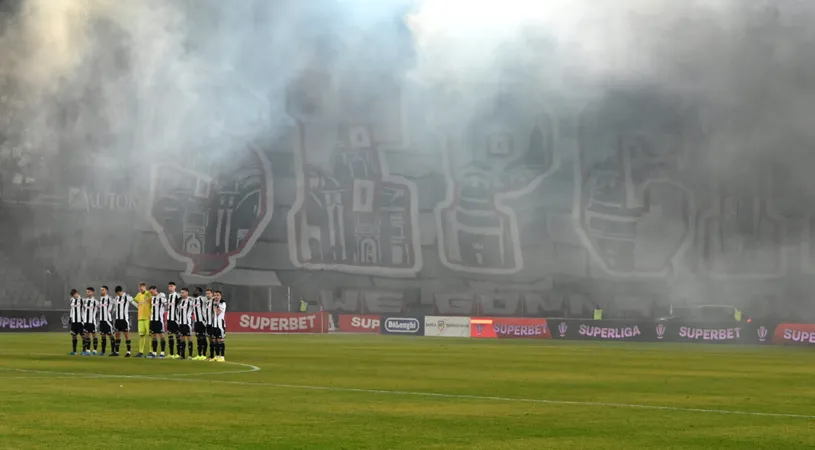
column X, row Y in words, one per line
column 89, row 309
column 158, row 303
column 105, row 320
column 77, row 327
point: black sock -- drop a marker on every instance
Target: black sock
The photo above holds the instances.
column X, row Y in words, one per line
column 190, row 346
column 86, row 345
column 223, row 348
column 105, row 343
column 95, row 343
column 115, row 344
column 211, row 350
column 202, row 346
column 155, row 344
column 181, row 349
column 172, row 345
column 127, row 342
column 181, row 344
column 73, row 341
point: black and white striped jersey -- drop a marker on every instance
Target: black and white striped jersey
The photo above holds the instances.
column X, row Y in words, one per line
column 121, row 310
column 159, row 303
column 210, row 311
column 201, row 313
column 90, row 307
column 219, row 315
column 172, row 306
column 105, row 306
column 184, row 311
column 76, row 309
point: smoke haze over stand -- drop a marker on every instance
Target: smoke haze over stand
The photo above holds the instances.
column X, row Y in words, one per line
column 102, row 80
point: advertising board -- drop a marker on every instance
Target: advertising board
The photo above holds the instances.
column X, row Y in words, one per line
column 447, row 326
column 356, row 323
column 794, row 334
column 509, row 328
column 602, row 330
column 402, row 325
column 252, row 322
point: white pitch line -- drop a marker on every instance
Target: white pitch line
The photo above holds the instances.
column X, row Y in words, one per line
column 250, row 368
column 448, row 396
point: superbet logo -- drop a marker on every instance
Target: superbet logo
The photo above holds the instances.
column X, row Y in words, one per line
column 365, row 323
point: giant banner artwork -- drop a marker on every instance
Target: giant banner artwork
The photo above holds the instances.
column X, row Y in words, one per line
column 208, row 213
column 499, row 153
column 632, row 206
column 351, row 213
column 742, row 234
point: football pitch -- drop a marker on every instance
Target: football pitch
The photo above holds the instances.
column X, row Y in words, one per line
column 381, row 392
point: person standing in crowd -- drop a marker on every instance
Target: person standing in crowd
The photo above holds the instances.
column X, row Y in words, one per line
column 598, row 313
column 76, row 318
column 184, row 317
column 144, row 301
column 158, row 304
column 173, row 298
column 89, row 308
column 200, row 324
column 105, row 320
column 122, row 320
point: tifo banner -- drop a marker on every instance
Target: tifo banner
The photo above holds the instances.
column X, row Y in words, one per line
column 404, row 325
column 794, row 334
column 277, row 322
column 602, row 330
column 447, row 326
column 355, row 323
column 509, row 328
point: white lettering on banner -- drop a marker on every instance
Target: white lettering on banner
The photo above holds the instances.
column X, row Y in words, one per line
column 383, row 301
column 707, row 334
column 799, row 336
column 365, row 323
column 376, row 301
column 278, row 323
column 455, row 303
column 81, row 199
column 499, row 303
column 447, row 326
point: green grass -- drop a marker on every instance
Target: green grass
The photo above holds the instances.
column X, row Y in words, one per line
column 187, row 404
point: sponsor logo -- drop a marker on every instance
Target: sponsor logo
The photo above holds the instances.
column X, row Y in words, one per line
column 279, row 324
column 365, row 323
column 708, row 334
column 402, row 325
column 440, row 325
column 762, row 333
column 562, row 328
column 520, row 330
column 660, row 331
column 66, row 320
column 609, row 333
column 479, row 328
column 17, row 323
column 804, row 337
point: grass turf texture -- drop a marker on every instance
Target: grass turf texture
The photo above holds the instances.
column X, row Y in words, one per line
column 192, row 407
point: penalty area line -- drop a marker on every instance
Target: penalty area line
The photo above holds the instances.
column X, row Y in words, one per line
column 442, row 395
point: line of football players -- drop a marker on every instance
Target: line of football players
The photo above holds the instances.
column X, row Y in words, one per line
column 185, row 314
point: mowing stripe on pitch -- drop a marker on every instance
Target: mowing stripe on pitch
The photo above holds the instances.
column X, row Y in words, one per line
column 436, row 395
